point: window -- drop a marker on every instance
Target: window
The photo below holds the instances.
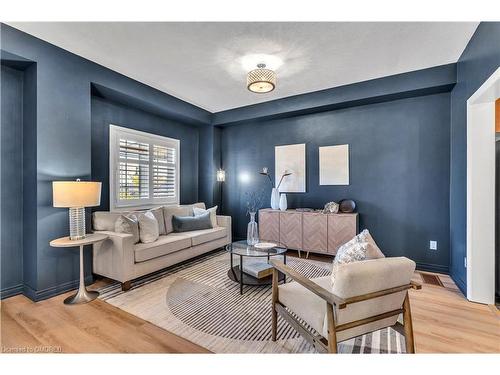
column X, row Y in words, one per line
column 144, row 169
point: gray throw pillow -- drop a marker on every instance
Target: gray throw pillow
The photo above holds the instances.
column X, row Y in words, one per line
column 128, row 224
column 213, row 214
column 190, row 223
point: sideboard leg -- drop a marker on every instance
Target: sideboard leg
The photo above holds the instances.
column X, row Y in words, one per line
column 126, row 285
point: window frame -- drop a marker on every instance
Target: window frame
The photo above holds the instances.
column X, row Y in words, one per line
column 115, row 132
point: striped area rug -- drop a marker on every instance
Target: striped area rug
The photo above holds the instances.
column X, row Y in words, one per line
column 197, row 301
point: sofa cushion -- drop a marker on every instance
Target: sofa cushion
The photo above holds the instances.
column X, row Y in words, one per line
column 206, row 235
column 184, row 210
column 128, row 224
column 191, row 223
column 104, row 220
column 162, row 246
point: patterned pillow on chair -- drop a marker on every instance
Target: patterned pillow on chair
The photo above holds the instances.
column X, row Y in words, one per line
column 351, row 251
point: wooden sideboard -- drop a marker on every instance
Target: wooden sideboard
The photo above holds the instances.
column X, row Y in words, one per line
column 307, row 231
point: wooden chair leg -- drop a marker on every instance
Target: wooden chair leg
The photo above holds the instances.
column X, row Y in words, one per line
column 275, row 300
column 408, row 325
column 332, row 335
column 126, row 285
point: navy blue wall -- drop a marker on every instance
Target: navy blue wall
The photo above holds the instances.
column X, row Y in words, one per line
column 399, row 169
column 58, row 144
column 11, row 247
column 105, row 113
column 478, row 61
column 59, row 147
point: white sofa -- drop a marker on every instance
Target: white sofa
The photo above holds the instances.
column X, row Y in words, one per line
column 119, row 258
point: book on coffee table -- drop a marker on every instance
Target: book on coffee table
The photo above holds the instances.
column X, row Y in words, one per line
column 258, row 268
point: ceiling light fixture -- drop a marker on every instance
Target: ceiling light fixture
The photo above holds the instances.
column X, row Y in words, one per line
column 261, row 80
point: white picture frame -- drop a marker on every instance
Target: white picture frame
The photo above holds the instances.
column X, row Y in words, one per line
column 291, row 158
column 334, row 165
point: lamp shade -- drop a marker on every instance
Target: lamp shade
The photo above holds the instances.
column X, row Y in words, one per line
column 76, row 193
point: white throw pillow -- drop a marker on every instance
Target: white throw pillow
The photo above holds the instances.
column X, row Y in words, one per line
column 148, row 227
column 128, row 224
column 213, row 214
column 349, row 253
column 158, row 213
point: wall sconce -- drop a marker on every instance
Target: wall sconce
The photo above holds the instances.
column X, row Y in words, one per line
column 221, row 175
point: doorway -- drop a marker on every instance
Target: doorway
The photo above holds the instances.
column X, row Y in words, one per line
column 481, row 191
column 497, row 209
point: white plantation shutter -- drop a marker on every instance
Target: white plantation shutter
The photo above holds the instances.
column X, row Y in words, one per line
column 133, row 170
column 144, row 169
column 164, row 171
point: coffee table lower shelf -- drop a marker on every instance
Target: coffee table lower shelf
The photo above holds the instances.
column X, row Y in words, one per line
column 234, row 274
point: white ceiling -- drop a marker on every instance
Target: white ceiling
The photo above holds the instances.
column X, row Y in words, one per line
column 206, row 63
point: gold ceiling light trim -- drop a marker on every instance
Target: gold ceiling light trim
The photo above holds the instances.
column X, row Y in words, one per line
column 261, row 80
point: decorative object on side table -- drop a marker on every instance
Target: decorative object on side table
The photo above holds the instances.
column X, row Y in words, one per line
column 347, row 206
column 275, row 195
column 283, row 202
column 331, row 208
column 76, row 195
column 254, row 202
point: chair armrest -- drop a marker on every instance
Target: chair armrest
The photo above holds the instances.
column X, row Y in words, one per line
column 308, row 284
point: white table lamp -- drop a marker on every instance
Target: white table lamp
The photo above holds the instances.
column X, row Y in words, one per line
column 76, row 195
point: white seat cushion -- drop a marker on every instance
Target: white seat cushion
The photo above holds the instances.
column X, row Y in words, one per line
column 306, row 304
column 162, row 246
column 205, row 235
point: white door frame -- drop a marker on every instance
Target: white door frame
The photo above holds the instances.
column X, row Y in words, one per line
column 481, row 191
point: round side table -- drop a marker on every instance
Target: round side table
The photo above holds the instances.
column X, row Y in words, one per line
column 83, row 295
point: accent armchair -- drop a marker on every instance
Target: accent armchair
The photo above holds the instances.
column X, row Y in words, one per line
column 365, row 297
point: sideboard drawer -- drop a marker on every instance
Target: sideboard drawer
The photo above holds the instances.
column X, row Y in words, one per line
column 291, row 230
column 269, row 226
column 341, row 228
column 314, row 232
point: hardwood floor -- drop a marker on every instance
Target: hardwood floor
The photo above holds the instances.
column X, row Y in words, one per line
column 95, row 327
column 444, row 322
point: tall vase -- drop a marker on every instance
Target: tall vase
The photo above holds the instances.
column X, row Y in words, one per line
column 252, row 231
column 275, row 199
column 283, row 202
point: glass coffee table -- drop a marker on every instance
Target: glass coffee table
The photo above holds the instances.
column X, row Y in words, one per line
column 243, row 250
